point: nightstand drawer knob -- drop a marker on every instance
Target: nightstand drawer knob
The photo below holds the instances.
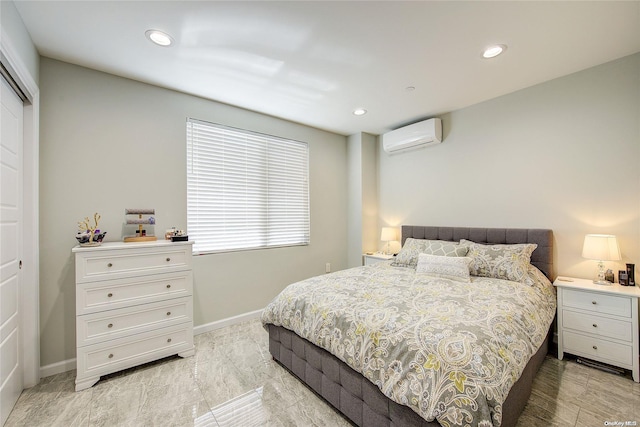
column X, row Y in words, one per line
column 109, row 295
column 110, row 325
column 168, row 286
column 593, row 302
column 111, row 356
column 169, row 340
column 168, row 313
column 168, row 259
column 595, row 347
column 109, row 265
column 595, row 325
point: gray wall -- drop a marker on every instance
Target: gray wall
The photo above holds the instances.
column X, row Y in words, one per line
column 363, row 232
column 562, row 155
column 108, row 143
column 13, row 27
column 354, row 186
column 370, row 231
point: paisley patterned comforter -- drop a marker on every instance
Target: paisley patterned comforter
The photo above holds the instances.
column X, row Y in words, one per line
column 449, row 350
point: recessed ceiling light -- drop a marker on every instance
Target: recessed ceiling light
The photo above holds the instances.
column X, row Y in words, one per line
column 359, row 112
column 158, row 37
column 493, row 51
column 410, row 88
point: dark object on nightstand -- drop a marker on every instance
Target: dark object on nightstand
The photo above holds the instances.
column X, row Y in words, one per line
column 631, row 273
column 623, row 278
column 184, row 238
column 609, row 277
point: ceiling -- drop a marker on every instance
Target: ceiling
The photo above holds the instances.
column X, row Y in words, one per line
column 315, row 62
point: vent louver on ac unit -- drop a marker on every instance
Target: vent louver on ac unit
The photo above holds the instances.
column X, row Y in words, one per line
column 424, row 133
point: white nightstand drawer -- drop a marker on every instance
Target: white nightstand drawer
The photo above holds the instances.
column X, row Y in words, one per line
column 98, row 327
column 112, row 356
column 598, row 349
column 112, row 294
column 597, row 325
column 107, row 264
column 370, row 259
column 597, row 302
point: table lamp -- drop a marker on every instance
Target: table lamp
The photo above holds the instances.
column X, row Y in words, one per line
column 601, row 247
column 388, row 235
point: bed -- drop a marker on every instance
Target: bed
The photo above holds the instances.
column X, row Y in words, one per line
column 360, row 339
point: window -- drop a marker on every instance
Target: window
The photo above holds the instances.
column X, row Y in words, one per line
column 245, row 190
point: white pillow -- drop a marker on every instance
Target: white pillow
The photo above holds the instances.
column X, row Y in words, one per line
column 446, row 267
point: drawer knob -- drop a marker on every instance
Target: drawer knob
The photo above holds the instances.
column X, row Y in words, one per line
column 168, row 286
column 109, row 295
column 109, row 265
column 593, row 302
column 111, row 356
column 168, row 259
column 169, row 340
column 168, row 313
column 110, row 325
column 595, row 347
column 595, row 325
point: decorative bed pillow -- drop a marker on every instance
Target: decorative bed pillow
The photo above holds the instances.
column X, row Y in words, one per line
column 509, row 262
column 408, row 255
column 446, row 267
column 537, row 276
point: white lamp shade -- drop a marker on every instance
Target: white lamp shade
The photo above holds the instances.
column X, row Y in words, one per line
column 601, row 247
column 388, row 234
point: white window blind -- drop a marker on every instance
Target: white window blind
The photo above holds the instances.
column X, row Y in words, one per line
column 245, row 190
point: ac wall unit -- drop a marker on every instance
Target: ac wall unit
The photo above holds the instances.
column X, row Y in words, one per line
column 421, row 134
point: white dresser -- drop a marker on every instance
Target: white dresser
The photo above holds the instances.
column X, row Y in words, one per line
column 599, row 322
column 134, row 304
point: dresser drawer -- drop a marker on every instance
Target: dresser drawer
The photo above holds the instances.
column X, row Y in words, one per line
column 115, row 355
column 596, row 302
column 112, row 294
column 598, row 349
column 107, row 325
column 111, row 264
column 597, row 325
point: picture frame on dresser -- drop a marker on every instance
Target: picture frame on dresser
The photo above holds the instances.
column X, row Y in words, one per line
column 599, row 322
column 134, row 304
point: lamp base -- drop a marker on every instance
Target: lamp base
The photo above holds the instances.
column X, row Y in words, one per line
column 600, row 280
column 386, row 249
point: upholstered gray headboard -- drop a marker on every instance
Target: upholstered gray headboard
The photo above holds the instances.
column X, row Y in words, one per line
column 542, row 257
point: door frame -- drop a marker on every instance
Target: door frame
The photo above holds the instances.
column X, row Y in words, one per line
column 30, row 304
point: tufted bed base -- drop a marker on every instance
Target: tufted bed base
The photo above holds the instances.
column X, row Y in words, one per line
column 361, row 401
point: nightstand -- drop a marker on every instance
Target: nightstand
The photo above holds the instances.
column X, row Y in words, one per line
column 370, row 259
column 599, row 322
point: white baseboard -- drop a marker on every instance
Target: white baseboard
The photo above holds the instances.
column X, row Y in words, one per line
column 57, row 368
column 229, row 321
column 70, row 364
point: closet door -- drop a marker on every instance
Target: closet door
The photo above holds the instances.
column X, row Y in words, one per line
column 11, row 172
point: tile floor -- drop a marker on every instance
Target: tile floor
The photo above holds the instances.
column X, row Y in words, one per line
column 232, row 381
